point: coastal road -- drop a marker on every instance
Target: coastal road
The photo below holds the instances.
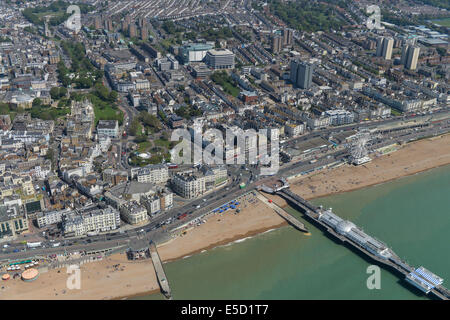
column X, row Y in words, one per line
column 213, row 200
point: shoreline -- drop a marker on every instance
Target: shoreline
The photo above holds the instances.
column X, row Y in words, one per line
column 376, row 183
column 148, row 293
column 263, row 230
column 255, row 218
column 382, row 169
column 212, row 246
column 224, row 242
column 404, row 149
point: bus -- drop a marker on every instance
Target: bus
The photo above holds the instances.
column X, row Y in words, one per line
column 33, row 244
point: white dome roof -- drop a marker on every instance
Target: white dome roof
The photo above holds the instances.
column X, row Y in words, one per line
column 344, row 226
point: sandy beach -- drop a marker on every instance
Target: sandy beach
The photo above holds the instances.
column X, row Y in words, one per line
column 220, row 229
column 100, row 280
column 410, row 159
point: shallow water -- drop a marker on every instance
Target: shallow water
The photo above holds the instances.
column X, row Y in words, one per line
column 411, row 215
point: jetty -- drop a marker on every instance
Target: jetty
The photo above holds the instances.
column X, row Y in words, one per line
column 355, row 238
column 283, row 213
column 160, row 274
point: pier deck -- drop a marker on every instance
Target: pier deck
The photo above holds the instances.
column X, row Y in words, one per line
column 160, row 274
column 282, row 213
column 395, row 263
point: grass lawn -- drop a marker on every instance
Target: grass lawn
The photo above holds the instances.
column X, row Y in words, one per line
column 162, row 143
column 50, row 14
column 154, row 159
column 48, row 113
column 231, row 89
column 442, row 22
column 144, row 146
column 108, row 114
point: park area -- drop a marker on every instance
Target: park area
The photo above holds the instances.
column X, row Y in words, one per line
column 442, row 22
column 151, row 152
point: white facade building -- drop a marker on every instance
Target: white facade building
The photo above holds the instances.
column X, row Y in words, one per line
column 153, row 174
column 134, row 213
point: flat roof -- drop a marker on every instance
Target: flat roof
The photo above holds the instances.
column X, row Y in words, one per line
column 217, row 52
column 433, row 41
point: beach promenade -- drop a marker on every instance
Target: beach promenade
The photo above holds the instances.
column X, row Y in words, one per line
column 100, row 280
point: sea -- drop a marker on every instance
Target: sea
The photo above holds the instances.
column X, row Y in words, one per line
column 411, row 215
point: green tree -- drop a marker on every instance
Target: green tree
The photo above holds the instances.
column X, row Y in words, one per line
column 62, row 92
column 150, row 120
column 4, row 108
column 101, row 91
column 442, row 51
column 134, row 127
column 37, row 102
column 113, row 95
column 54, row 93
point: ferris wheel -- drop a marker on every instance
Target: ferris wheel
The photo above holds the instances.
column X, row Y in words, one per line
column 358, row 147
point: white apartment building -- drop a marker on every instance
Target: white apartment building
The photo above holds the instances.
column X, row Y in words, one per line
column 142, row 84
column 153, row 174
column 189, row 185
column 294, row 130
column 214, row 176
column 340, row 117
column 166, row 200
column 109, row 128
column 47, row 218
column 133, row 213
column 158, row 202
column 90, row 219
column 317, row 122
column 152, row 203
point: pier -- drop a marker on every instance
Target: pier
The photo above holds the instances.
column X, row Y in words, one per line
column 160, row 274
column 354, row 237
column 282, row 213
